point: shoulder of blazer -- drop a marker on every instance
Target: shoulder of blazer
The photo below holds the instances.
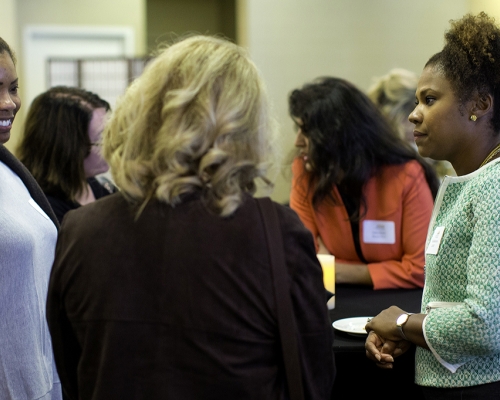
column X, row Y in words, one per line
column 35, row 191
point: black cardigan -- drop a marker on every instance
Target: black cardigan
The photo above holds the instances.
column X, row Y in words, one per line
column 179, row 304
column 35, row 191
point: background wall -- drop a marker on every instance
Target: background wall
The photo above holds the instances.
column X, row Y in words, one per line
column 353, row 39
column 85, row 12
column 492, row 7
column 9, row 22
column 291, row 41
column 166, row 19
column 130, row 13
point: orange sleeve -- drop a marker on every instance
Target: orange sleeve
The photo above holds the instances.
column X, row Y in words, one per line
column 301, row 198
column 417, row 204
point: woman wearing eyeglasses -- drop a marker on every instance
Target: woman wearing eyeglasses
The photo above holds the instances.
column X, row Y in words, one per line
column 61, row 146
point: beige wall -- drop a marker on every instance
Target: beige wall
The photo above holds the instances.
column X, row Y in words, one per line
column 294, row 41
column 86, row 12
column 168, row 19
column 9, row 22
column 130, row 13
column 492, row 7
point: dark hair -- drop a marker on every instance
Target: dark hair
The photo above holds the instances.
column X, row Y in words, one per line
column 470, row 60
column 5, row 48
column 349, row 141
column 56, row 141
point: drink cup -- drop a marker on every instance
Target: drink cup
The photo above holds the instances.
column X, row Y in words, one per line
column 327, row 262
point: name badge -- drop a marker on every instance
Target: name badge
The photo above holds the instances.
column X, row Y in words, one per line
column 435, row 241
column 34, row 204
column 379, row 232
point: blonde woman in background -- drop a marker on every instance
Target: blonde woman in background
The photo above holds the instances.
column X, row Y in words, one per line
column 394, row 94
column 175, row 299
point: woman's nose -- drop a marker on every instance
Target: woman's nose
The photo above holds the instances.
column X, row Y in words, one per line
column 6, row 101
column 415, row 116
column 299, row 139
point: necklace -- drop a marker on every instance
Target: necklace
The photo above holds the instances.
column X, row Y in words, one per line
column 490, row 156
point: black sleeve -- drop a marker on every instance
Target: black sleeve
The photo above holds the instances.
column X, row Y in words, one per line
column 35, row 191
column 67, row 350
column 61, row 207
column 101, row 186
column 315, row 333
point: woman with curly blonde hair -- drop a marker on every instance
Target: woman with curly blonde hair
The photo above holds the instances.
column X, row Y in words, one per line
column 456, row 118
column 394, row 94
column 205, row 123
column 164, row 290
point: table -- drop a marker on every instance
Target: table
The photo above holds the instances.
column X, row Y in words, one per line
column 358, row 376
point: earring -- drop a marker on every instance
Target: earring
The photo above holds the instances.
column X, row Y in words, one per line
column 473, row 118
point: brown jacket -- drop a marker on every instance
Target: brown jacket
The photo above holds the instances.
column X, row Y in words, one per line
column 178, row 304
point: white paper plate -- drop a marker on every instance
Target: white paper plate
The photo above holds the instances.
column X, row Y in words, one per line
column 354, row 326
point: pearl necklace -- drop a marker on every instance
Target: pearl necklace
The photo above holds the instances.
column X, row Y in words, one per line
column 490, row 156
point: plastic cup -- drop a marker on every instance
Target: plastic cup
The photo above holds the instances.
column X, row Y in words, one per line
column 327, row 262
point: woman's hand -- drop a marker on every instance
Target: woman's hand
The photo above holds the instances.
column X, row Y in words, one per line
column 384, row 324
column 383, row 351
column 352, row 273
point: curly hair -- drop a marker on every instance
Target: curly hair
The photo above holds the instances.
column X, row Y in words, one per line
column 470, row 60
column 56, row 140
column 349, row 140
column 5, row 48
column 394, row 94
column 195, row 120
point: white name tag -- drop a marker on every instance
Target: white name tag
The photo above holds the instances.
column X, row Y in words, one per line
column 34, row 204
column 435, row 241
column 379, row 232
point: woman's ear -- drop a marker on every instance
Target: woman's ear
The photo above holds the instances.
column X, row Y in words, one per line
column 482, row 105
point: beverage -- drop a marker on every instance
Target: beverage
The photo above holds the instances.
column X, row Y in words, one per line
column 327, row 262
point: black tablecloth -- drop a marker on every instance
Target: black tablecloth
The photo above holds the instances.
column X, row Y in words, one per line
column 356, row 375
column 360, row 301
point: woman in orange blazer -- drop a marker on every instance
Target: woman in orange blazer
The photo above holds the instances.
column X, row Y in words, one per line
column 364, row 193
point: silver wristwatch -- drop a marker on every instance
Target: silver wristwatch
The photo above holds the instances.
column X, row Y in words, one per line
column 402, row 319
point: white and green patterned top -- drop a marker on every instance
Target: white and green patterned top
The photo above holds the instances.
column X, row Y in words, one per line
column 465, row 338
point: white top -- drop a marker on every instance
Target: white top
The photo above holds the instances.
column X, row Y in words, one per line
column 27, row 243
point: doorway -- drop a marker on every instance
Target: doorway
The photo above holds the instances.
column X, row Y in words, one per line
column 40, row 43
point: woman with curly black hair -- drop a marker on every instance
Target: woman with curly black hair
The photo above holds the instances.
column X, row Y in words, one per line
column 394, row 95
column 362, row 191
column 457, row 118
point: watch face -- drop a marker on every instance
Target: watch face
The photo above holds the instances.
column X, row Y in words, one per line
column 402, row 319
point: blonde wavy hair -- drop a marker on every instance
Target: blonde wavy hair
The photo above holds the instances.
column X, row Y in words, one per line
column 394, row 94
column 197, row 119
